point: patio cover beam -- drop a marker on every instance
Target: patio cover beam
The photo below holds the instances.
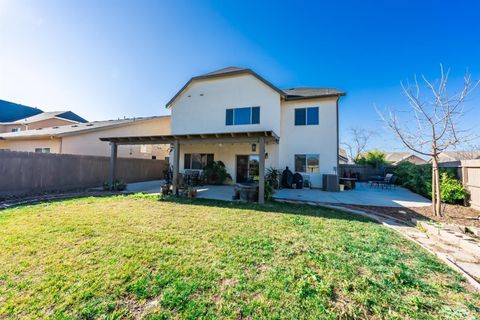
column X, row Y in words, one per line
column 228, row 137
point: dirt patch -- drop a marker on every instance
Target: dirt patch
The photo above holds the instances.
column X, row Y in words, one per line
column 452, row 214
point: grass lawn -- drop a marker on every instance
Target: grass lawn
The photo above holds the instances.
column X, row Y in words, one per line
column 133, row 257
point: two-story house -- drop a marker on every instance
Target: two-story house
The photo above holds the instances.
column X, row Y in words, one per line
column 236, row 116
column 231, row 100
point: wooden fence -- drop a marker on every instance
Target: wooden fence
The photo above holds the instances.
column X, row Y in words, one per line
column 470, row 175
column 362, row 172
column 27, row 172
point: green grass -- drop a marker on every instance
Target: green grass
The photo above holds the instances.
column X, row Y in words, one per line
column 133, row 257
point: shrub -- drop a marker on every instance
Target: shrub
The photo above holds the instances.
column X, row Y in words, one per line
column 273, row 177
column 269, row 191
column 418, row 178
column 118, row 185
column 452, row 190
column 215, row 172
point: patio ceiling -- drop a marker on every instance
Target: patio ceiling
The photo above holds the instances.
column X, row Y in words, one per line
column 225, row 137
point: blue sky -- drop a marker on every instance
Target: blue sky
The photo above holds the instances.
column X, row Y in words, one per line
column 110, row 59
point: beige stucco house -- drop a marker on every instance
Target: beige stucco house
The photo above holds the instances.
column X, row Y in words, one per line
column 235, row 100
column 396, row 157
column 83, row 138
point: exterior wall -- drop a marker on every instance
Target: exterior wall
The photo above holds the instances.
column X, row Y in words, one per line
column 227, row 153
column 316, row 139
column 415, row 160
column 9, row 127
column 201, row 107
column 47, row 123
column 89, row 143
column 31, row 145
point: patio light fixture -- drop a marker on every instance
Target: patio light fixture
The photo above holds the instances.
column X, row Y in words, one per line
column 254, row 147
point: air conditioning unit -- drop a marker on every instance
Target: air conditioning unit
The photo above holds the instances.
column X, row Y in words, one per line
column 330, row 183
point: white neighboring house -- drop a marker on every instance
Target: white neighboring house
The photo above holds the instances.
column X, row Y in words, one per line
column 237, row 100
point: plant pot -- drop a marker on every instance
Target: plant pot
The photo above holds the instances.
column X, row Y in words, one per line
column 342, row 187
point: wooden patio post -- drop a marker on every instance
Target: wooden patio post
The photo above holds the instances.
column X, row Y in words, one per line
column 176, row 164
column 261, row 171
column 113, row 165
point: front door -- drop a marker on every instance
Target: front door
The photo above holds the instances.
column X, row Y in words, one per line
column 247, row 168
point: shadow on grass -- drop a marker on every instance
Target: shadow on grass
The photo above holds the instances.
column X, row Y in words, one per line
column 272, row 207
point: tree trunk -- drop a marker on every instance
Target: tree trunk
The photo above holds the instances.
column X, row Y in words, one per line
column 434, row 190
column 437, row 199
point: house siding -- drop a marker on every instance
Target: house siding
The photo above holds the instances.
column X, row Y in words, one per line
column 201, row 108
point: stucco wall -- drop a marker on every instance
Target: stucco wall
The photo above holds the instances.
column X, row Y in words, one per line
column 9, row 127
column 227, row 152
column 31, row 145
column 313, row 139
column 201, row 107
column 89, row 143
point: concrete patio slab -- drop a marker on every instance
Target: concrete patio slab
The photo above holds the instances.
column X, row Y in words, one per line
column 362, row 195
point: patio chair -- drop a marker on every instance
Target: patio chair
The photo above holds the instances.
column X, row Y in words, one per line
column 388, row 182
column 380, row 182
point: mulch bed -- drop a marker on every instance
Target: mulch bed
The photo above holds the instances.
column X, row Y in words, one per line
column 452, row 214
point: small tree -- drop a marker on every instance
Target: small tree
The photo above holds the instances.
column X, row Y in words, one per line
column 357, row 142
column 372, row 158
column 433, row 122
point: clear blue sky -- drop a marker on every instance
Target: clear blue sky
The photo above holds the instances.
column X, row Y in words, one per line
column 109, row 59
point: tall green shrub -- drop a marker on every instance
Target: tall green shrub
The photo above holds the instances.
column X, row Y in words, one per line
column 372, row 158
column 418, row 178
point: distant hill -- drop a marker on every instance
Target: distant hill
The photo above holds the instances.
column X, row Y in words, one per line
column 10, row 111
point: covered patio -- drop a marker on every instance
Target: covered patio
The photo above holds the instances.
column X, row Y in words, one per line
column 362, row 195
column 260, row 138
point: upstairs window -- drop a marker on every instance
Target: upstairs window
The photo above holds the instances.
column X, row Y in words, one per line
column 240, row 116
column 306, row 116
column 15, row 130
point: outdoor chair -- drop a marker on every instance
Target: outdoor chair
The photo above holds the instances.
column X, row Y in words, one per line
column 380, row 182
column 388, row 182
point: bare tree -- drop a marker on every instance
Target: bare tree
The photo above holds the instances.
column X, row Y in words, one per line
column 432, row 124
column 357, row 142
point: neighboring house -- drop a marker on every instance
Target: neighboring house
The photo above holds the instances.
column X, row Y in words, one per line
column 342, row 156
column 237, row 102
column 450, row 156
column 83, row 138
column 16, row 117
column 396, row 157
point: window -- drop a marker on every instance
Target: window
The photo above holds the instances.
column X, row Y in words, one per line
column 309, row 163
column 306, row 116
column 239, row 116
column 15, row 129
column 42, row 150
column 197, row 160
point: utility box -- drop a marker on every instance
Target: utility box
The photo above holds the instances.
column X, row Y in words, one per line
column 330, row 183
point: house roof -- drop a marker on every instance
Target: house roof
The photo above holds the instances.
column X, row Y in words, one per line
column 66, row 115
column 396, row 157
column 10, row 112
column 459, row 155
column 72, row 129
column 288, row 94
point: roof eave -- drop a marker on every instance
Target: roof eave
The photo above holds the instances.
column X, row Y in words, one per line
column 221, row 75
column 293, row 98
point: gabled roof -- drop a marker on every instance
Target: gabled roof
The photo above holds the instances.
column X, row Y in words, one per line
column 288, row 94
column 72, row 129
column 65, row 115
column 459, row 155
column 10, row 112
column 397, row 157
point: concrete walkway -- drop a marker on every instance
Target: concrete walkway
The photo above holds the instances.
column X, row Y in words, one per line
column 361, row 195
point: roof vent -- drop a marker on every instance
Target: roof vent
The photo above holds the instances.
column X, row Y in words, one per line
column 74, row 126
column 90, row 125
column 55, row 127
